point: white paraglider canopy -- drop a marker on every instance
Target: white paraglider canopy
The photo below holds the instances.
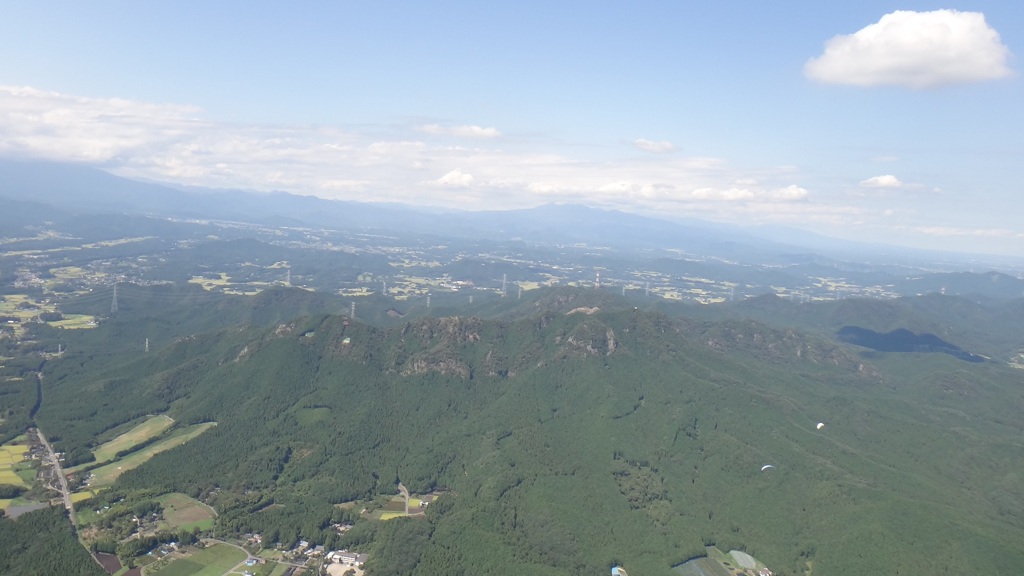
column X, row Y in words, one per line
column 766, row 466
column 820, row 425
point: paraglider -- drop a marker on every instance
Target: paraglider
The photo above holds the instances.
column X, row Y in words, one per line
column 766, row 466
column 820, row 425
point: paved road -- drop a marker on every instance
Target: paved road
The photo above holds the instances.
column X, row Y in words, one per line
column 65, row 493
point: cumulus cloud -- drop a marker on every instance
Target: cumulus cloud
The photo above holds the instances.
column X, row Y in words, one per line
column 914, row 49
column 884, row 181
column 466, row 131
column 58, row 126
column 455, row 179
column 656, row 146
column 177, row 144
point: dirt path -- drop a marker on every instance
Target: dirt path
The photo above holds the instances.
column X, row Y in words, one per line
column 405, row 496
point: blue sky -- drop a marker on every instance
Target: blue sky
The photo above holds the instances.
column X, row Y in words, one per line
column 878, row 121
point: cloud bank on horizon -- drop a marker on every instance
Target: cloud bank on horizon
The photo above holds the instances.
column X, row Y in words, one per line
column 468, row 165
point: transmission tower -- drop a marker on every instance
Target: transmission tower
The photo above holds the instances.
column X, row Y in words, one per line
column 352, row 310
column 504, row 284
column 113, row 303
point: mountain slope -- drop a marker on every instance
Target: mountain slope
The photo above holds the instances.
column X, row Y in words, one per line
column 572, row 441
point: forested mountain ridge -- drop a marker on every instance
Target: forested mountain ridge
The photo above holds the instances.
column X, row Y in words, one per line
column 991, row 329
column 575, row 438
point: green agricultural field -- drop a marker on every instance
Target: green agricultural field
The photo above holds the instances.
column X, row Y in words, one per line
column 151, row 428
column 216, row 560
column 105, row 475
column 10, row 457
column 75, row 322
column 77, row 497
column 209, row 283
column 183, row 512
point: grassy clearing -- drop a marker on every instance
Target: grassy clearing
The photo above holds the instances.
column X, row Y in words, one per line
column 308, row 416
column 183, row 512
column 279, row 569
column 105, row 475
column 151, row 428
column 75, row 322
column 213, row 561
column 77, row 497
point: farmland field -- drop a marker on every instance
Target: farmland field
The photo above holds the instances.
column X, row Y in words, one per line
column 75, row 321
column 10, row 456
column 186, row 513
column 213, row 561
column 105, row 475
column 149, row 429
column 83, row 495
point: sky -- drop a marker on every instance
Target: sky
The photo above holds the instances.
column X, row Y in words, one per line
column 891, row 122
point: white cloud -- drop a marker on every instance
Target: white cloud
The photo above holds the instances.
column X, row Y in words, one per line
column 177, row 144
column 466, row 131
column 656, row 146
column 915, row 49
column 884, row 181
column 961, row 232
column 455, row 179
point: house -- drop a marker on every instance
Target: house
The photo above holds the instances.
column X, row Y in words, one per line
column 350, row 558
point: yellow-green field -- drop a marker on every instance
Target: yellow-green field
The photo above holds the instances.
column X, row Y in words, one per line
column 361, row 291
column 105, row 475
column 9, row 307
column 226, row 285
column 183, row 512
column 151, row 428
column 215, row 560
column 9, row 456
column 75, row 321
column 210, row 284
column 77, row 497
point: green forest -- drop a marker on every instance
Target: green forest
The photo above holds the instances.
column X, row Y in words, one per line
column 562, row 440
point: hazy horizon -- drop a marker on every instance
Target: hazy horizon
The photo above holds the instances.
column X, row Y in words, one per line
column 878, row 122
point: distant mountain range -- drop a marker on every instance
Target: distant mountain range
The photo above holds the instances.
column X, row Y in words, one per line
column 82, row 189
